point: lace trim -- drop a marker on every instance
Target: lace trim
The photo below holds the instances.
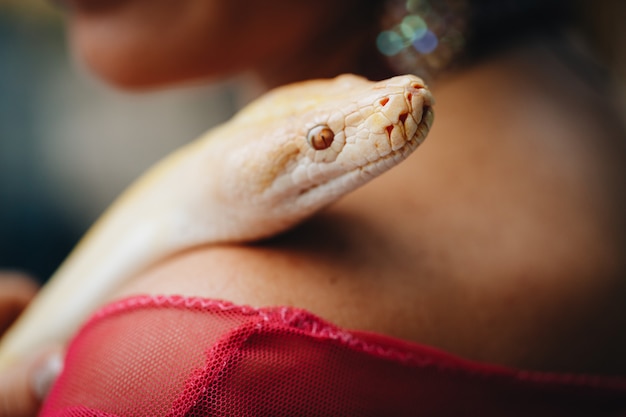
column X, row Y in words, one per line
column 407, row 353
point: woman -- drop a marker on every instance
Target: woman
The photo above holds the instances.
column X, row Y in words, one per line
column 500, row 241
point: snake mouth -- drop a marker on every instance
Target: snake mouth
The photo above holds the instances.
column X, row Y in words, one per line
column 409, row 145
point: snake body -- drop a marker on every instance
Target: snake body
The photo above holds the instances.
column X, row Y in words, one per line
column 283, row 157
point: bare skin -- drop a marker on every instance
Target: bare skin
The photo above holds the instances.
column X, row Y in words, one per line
column 16, row 290
column 501, row 240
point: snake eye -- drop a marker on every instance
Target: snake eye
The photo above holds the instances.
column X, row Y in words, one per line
column 320, row 137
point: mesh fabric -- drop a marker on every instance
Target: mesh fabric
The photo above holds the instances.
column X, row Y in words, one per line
column 175, row 356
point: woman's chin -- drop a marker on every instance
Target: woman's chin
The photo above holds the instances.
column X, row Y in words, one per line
column 132, row 52
column 128, row 63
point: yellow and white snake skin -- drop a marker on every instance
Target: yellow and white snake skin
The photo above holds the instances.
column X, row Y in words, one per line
column 283, row 157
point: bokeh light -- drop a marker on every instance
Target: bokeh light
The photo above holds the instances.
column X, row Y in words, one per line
column 426, row 43
column 389, row 42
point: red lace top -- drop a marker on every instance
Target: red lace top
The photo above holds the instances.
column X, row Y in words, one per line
column 176, row 356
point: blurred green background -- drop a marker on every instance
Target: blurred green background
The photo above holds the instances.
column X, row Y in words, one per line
column 68, row 144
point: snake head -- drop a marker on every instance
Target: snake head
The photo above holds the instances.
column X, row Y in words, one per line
column 324, row 138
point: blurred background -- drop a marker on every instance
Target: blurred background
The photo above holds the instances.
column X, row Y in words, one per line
column 69, row 145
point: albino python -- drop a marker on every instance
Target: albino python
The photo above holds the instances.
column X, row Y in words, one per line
column 280, row 159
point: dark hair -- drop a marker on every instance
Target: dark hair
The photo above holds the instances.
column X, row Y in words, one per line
column 495, row 23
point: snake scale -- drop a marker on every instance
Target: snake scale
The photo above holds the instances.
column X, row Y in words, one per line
column 283, row 157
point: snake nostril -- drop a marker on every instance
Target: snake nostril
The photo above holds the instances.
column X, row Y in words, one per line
column 383, row 102
column 417, row 85
column 403, row 117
